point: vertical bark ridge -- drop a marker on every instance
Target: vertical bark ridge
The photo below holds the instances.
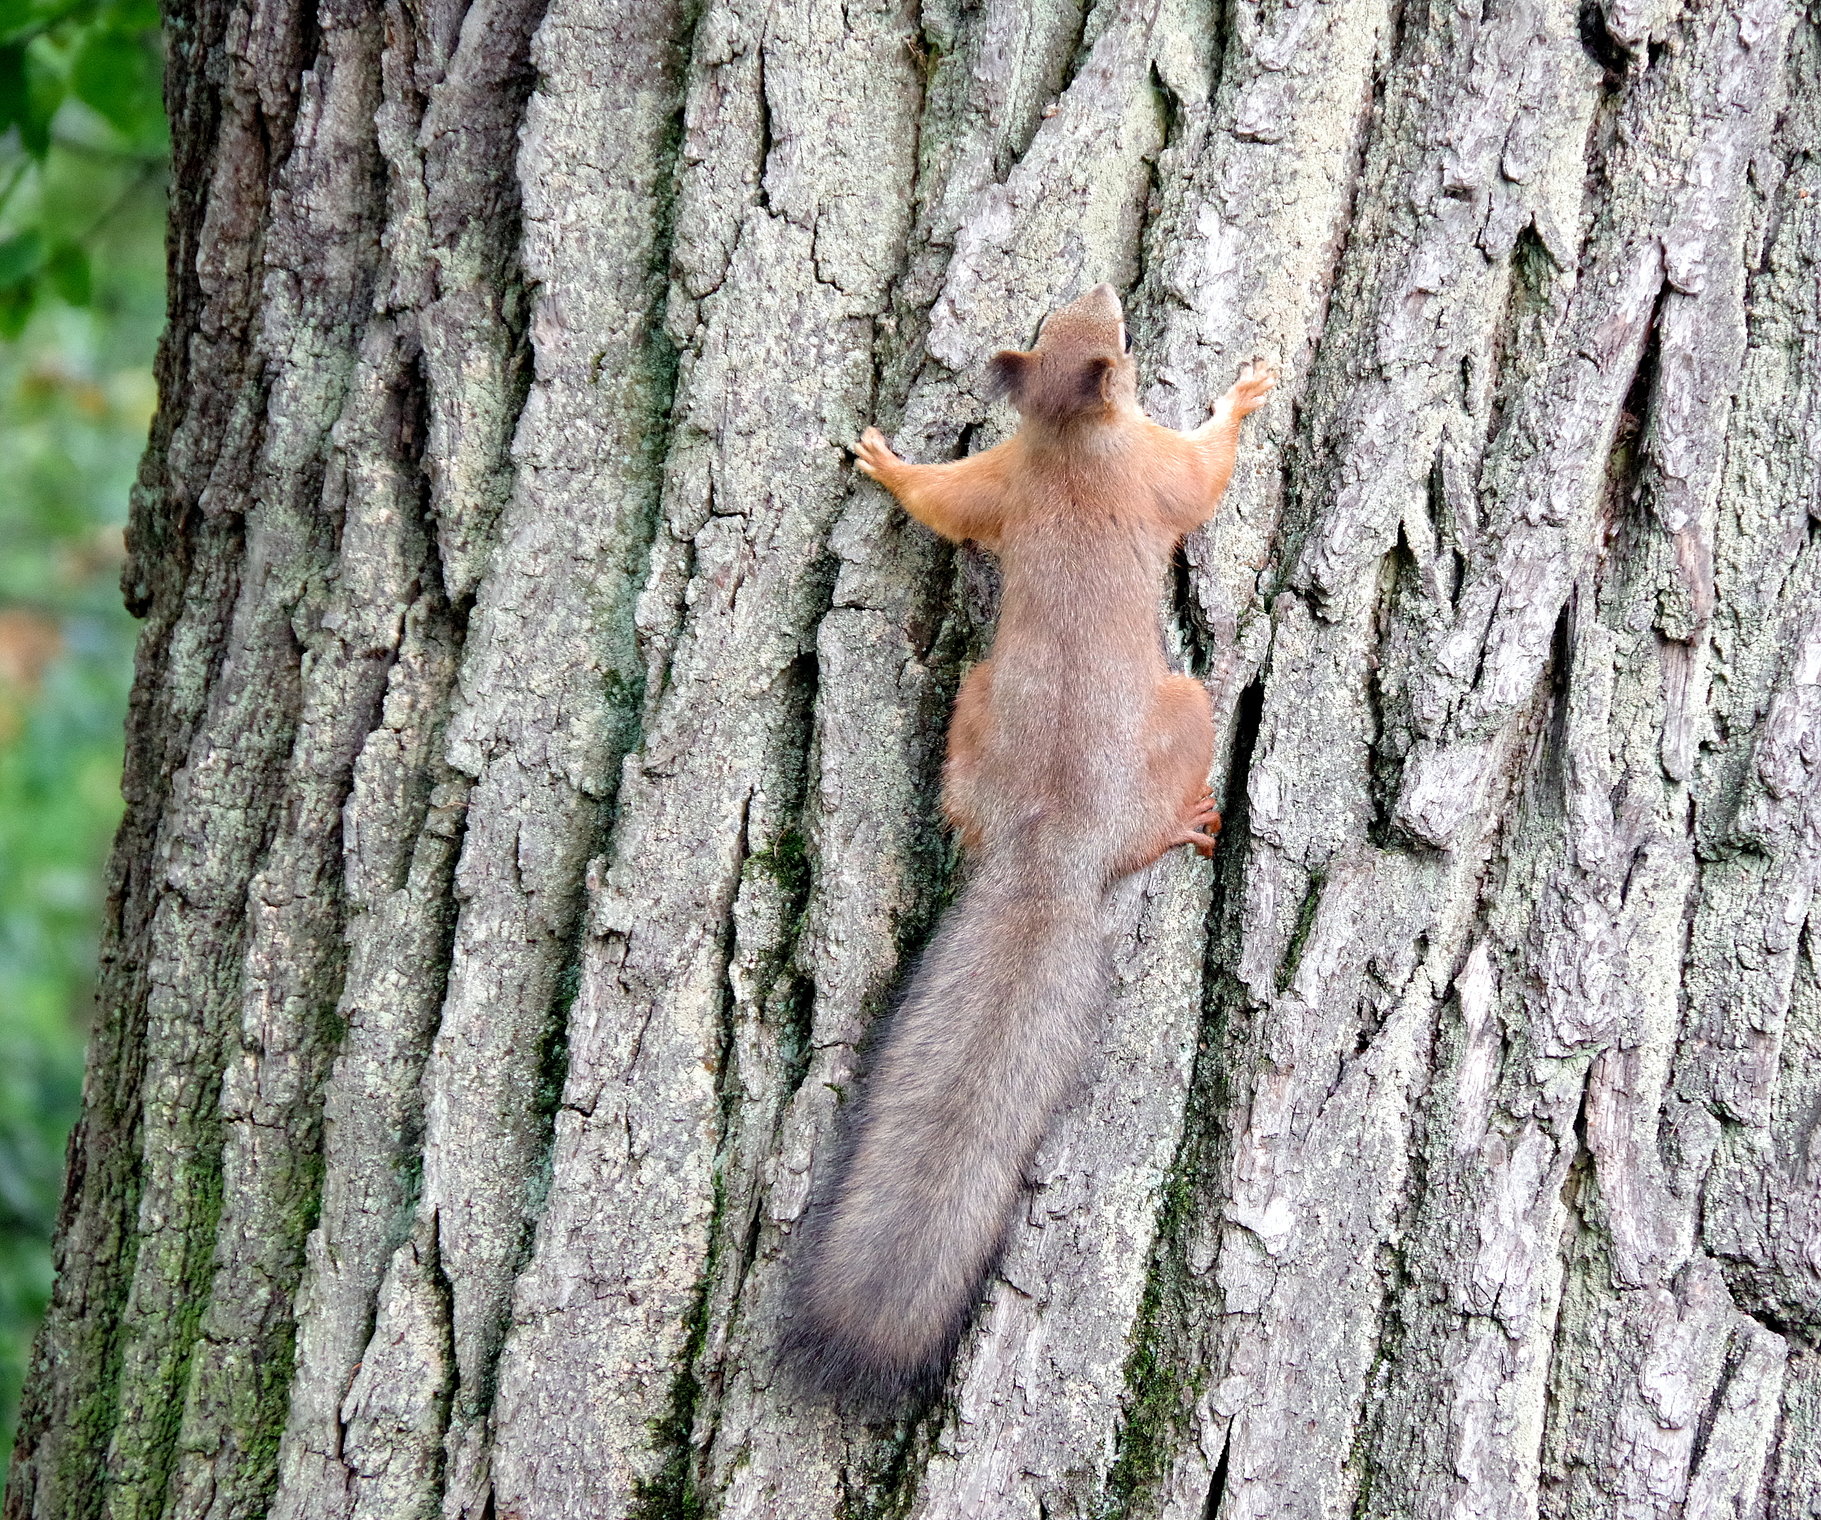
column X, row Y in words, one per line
column 405, row 826
column 1248, row 244
column 1341, row 944
column 454, row 334
column 373, row 500
column 548, row 694
column 1547, row 200
column 1745, row 1071
column 1606, row 945
column 1644, row 1309
column 792, row 261
column 231, row 792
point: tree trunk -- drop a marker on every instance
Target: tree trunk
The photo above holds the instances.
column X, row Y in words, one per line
column 531, row 771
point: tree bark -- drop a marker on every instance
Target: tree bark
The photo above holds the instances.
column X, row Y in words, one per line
column 531, row 772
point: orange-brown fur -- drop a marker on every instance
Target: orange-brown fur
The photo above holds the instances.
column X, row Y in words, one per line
column 1075, row 757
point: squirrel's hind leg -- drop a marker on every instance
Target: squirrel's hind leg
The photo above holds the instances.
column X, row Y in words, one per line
column 1179, row 749
column 967, row 734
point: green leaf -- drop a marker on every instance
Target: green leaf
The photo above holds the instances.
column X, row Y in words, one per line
column 12, row 86
column 22, row 20
column 118, row 75
column 16, row 302
column 30, row 92
column 67, row 273
column 131, row 15
column 21, row 257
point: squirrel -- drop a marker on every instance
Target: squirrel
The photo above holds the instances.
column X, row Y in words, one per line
column 1075, row 757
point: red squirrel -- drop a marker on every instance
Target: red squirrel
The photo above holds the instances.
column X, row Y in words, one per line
column 1075, row 757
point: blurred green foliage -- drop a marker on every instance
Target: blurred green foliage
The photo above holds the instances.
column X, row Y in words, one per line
column 82, row 114
column 82, row 156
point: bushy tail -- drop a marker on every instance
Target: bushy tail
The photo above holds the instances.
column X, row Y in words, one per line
column 989, row 1039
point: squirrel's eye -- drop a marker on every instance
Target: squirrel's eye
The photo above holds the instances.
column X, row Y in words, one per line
column 1125, row 337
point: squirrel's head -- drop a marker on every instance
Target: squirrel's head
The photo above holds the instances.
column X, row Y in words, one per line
column 1079, row 370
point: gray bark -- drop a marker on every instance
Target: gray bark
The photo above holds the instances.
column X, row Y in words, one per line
column 531, row 770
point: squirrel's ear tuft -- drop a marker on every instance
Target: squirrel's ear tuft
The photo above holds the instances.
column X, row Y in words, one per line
column 1006, row 373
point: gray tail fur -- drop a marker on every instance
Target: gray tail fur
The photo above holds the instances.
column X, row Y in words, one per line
column 989, row 1039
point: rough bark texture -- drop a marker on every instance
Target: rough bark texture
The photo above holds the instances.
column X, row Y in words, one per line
column 530, row 776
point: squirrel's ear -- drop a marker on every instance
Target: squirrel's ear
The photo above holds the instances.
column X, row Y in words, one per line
column 1097, row 379
column 1006, row 373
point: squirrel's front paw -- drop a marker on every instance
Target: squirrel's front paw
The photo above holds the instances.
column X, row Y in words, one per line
column 1256, row 377
column 872, row 453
